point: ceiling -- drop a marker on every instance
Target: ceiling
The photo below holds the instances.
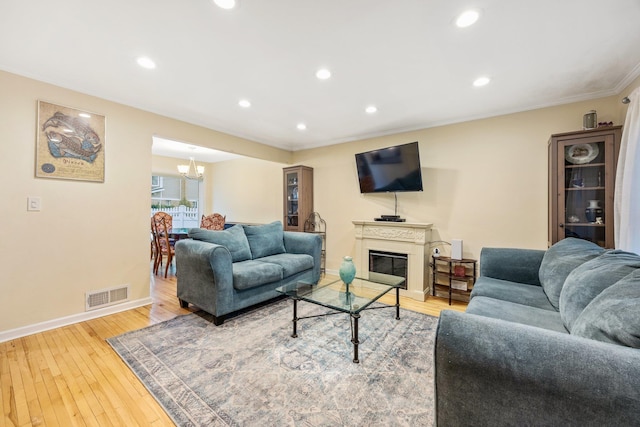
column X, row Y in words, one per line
column 406, row 57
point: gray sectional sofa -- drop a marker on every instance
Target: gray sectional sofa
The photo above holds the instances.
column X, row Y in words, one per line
column 222, row 272
column 548, row 338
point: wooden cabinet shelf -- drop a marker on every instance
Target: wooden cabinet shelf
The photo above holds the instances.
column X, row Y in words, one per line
column 584, row 188
column 589, row 165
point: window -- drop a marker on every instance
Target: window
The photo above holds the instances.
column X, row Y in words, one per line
column 172, row 191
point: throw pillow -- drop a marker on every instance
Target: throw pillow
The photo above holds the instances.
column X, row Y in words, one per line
column 233, row 238
column 586, row 281
column 613, row 316
column 265, row 240
column 560, row 260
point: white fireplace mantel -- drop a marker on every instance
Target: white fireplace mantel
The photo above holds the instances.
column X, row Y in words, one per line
column 409, row 238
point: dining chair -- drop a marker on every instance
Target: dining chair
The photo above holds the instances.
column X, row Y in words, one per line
column 168, row 221
column 162, row 226
column 153, row 242
column 164, row 247
column 214, row 221
column 157, row 258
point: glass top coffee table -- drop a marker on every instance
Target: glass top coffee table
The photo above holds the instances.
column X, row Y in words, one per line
column 352, row 300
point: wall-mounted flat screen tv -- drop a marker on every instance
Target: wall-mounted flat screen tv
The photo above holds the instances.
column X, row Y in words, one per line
column 390, row 169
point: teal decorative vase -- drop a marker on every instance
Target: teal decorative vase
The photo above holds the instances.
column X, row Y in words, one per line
column 347, row 270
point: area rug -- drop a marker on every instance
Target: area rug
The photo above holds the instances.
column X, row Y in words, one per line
column 251, row 372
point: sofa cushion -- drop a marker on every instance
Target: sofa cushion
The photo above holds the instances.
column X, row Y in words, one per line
column 613, row 316
column 232, row 238
column 586, row 281
column 560, row 260
column 291, row 263
column 505, row 290
column 517, row 313
column 512, row 264
column 265, row 240
column 249, row 274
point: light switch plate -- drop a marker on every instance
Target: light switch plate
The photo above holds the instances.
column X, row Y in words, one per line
column 34, row 203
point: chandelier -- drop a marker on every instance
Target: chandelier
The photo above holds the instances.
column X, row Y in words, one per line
column 191, row 171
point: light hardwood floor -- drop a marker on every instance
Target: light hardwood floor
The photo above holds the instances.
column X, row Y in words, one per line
column 70, row 376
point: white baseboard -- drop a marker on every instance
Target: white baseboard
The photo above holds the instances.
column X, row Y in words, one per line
column 69, row 320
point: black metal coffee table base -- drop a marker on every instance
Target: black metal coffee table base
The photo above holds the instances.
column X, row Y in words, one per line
column 353, row 321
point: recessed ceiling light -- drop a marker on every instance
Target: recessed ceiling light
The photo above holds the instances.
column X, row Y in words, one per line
column 225, row 4
column 371, row 109
column 146, row 62
column 467, row 18
column 481, row 81
column 323, row 74
column 244, row 103
column 301, row 126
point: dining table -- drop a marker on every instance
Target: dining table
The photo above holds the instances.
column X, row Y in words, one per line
column 178, row 233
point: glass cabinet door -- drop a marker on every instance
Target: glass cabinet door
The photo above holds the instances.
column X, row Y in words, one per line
column 298, row 196
column 585, row 198
column 582, row 185
column 292, row 179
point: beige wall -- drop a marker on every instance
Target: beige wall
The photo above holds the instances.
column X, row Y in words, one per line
column 248, row 190
column 485, row 181
column 626, row 92
column 88, row 236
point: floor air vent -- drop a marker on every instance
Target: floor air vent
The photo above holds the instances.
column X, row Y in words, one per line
column 106, row 297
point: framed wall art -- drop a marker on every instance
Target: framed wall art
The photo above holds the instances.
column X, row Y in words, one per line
column 70, row 143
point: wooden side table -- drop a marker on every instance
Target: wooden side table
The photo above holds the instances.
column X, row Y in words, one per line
column 459, row 275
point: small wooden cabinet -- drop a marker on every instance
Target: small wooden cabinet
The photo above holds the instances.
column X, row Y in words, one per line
column 298, row 197
column 455, row 276
column 582, row 171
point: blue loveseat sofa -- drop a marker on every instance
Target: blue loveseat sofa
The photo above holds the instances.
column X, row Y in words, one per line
column 549, row 338
column 222, row 272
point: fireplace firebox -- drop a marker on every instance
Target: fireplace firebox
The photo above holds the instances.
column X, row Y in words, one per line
column 391, row 263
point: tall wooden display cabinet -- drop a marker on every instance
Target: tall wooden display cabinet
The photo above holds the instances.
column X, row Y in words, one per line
column 298, row 197
column 582, row 171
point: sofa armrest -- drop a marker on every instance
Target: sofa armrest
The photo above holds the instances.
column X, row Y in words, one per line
column 494, row 372
column 296, row 242
column 205, row 275
column 514, row 265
